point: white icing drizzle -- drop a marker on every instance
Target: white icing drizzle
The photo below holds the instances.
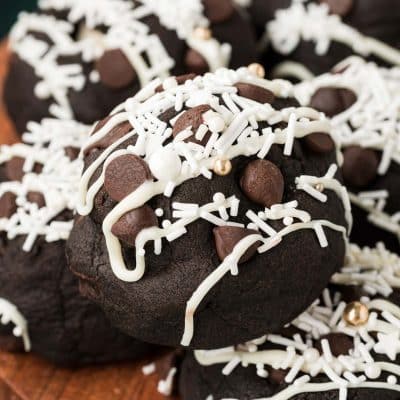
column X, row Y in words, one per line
column 122, row 20
column 372, row 122
column 356, row 370
column 58, row 180
column 313, row 22
column 291, row 69
column 233, row 122
column 10, row 313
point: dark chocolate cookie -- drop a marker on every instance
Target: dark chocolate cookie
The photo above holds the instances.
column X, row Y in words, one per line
column 366, row 127
column 232, row 208
column 320, row 33
column 346, row 345
column 40, row 305
column 73, row 61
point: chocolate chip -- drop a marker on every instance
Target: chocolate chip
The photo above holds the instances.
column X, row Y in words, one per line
column 254, row 92
column 333, row 101
column 339, row 343
column 168, row 115
column 72, row 152
column 8, row 206
column 195, row 62
column 15, row 168
column 192, row 118
column 36, row 197
column 130, row 224
column 111, row 137
column 360, row 166
column 124, row 175
column 263, row 183
column 181, row 79
column 339, row 7
column 277, row 376
column 226, row 238
column 320, row 142
column 116, row 72
column 218, row 11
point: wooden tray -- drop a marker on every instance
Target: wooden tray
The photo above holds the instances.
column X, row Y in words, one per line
column 27, row 377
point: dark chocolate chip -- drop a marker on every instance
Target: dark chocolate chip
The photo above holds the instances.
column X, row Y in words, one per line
column 8, row 206
column 36, row 197
column 181, row 79
column 194, row 118
column 277, row 376
column 72, row 152
column 360, row 166
column 124, row 175
column 116, row 72
column 218, row 11
column 319, row 142
column 111, row 137
column 333, row 101
column 255, row 93
column 15, row 168
column 263, row 183
column 339, row 7
column 226, row 238
column 195, row 62
column 339, row 343
column 130, row 224
column 168, row 115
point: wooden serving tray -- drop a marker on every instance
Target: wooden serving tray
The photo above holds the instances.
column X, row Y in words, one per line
column 27, row 377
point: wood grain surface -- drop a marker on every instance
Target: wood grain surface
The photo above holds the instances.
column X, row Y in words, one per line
column 27, row 377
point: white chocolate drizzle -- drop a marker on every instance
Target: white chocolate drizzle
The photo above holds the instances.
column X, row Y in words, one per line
column 123, row 22
column 299, row 355
column 313, row 23
column 45, row 145
column 233, row 122
column 372, row 122
column 10, row 313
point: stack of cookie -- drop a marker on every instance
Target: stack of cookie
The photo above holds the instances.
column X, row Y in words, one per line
column 213, row 210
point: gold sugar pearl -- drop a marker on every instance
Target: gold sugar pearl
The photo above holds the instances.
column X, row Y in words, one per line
column 320, row 187
column 356, row 314
column 202, row 33
column 222, row 167
column 257, row 69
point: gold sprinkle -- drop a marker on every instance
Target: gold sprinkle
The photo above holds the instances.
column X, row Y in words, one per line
column 356, row 314
column 257, row 69
column 202, row 33
column 222, row 167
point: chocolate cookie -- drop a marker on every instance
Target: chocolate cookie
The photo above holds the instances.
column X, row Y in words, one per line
column 40, row 305
column 346, row 345
column 74, row 61
column 320, row 33
column 223, row 196
column 366, row 127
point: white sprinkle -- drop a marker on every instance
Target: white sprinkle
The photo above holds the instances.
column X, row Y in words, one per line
column 291, row 376
column 290, row 133
column 227, row 370
column 321, row 235
column 149, row 369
